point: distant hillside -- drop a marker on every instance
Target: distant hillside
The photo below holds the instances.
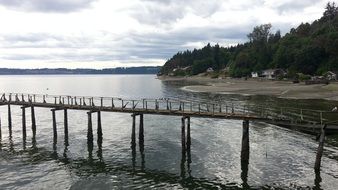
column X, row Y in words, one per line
column 63, row 71
column 309, row 49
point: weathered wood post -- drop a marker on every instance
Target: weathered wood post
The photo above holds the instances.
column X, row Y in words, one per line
column 54, row 126
column 0, row 130
column 141, row 134
column 183, row 143
column 245, row 154
column 9, row 120
column 188, row 134
column 133, row 135
column 183, row 135
column 90, row 127
column 133, row 142
column 320, row 149
column 65, row 123
column 33, row 121
column 23, row 122
column 188, row 146
column 245, row 141
column 99, row 128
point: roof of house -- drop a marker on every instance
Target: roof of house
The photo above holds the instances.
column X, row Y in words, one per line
column 330, row 72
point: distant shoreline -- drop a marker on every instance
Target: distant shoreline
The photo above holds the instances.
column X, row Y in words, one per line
column 281, row 89
column 65, row 71
column 79, row 74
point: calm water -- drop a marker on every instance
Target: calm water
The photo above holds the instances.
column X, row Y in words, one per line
column 279, row 158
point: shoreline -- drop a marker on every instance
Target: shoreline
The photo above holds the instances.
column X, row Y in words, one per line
column 280, row 89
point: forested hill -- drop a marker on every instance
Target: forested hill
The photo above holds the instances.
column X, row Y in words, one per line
column 308, row 49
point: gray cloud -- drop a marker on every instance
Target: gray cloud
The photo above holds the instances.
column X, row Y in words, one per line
column 166, row 12
column 134, row 46
column 47, row 5
column 129, row 47
column 294, row 5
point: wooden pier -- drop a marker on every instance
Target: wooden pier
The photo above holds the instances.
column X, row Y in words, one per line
column 315, row 121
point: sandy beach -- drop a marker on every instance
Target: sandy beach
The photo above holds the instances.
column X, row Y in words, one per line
column 282, row 89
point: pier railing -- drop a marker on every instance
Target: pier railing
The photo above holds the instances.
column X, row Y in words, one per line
column 172, row 105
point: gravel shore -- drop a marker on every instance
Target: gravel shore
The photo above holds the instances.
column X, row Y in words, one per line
column 283, row 89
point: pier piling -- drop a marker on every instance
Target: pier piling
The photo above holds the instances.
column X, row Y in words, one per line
column 33, row 121
column 24, row 134
column 320, row 149
column 9, row 120
column 183, row 135
column 245, row 141
column 133, row 135
column 0, row 129
column 99, row 128
column 54, row 126
column 188, row 134
column 141, row 133
column 90, row 127
column 65, row 122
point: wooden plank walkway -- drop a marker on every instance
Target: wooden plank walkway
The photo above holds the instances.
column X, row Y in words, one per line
column 174, row 107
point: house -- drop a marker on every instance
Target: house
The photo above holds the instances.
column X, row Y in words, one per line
column 273, row 73
column 209, row 70
column 330, row 75
column 254, row 74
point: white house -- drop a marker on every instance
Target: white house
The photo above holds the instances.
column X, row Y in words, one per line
column 209, row 70
column 254, row 74
column 273, row 73
column 330, row 75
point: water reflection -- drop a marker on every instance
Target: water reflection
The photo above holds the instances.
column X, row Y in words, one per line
column 24, row 143
column 90, row 147
column 99, row 150
column 11, row 144
column 65, row 150
column 34, row 147
column 318, row 180
column 54, row 154
column 90, row 165
column 182, row 165
column 244, row 173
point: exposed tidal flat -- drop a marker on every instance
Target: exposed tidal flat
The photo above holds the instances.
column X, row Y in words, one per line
column 280, row 89
column 279, row 158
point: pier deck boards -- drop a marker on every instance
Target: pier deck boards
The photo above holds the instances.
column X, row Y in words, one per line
column 293, row 117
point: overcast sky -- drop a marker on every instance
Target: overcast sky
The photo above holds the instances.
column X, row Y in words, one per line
column 112, row 33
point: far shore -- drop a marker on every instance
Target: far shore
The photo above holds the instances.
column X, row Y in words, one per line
column 282, row 89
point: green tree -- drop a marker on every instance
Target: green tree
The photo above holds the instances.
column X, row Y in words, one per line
column 260, row 33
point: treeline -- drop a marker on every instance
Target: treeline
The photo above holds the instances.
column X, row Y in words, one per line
column 64, row 71
column 308, row 49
